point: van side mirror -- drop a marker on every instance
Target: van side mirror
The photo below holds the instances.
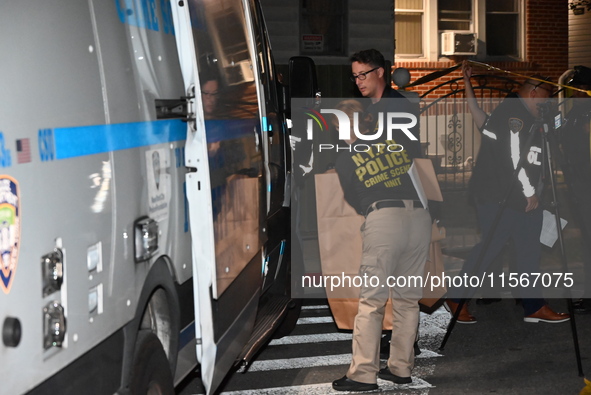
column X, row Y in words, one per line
column 302, row 77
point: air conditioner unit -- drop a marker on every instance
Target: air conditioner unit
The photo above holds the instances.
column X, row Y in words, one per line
column 455, row 43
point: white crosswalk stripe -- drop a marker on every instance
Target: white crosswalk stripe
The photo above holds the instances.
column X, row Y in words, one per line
column 311, row 362
column 319, row 307
column 432, row 327
column 324, row 388
column 332, row 337
column 315, row 320
column 305, row 339
column 298, row 363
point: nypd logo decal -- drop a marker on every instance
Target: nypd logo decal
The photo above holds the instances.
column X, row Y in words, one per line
column 9, row 230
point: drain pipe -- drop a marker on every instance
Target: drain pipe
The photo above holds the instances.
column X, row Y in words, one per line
column 563, row 80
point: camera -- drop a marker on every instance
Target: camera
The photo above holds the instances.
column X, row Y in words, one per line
column 549, row 114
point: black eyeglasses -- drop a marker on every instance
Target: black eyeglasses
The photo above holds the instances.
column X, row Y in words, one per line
column 543, row 81
column 362, row 75
column 550, row 91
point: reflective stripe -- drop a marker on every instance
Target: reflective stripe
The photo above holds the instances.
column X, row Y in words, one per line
column 96, row 139
column 489, row 134
column 515, row 154
column 528, row 189
column 76, row 141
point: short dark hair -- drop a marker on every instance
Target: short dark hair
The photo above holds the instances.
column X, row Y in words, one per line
column 208, row 75
column 537, row 80
column 373, row 57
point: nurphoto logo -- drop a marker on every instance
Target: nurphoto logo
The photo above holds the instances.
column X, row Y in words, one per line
column 354, row 125
column 392, row 123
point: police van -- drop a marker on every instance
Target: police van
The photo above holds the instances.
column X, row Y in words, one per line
column 144, row 194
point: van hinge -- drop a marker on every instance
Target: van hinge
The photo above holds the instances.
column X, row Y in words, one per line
column 184, row 107
column 191, row 108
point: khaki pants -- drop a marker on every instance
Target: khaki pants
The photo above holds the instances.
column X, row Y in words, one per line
column 395, row 244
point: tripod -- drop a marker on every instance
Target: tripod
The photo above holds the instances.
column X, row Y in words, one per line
column 573, row 158
column 539, row 126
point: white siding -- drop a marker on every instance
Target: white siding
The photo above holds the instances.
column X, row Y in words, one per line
column 282, row 23
column 579, row 39
column 370, row 25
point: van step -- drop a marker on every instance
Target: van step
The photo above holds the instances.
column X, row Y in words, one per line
column 269, row 317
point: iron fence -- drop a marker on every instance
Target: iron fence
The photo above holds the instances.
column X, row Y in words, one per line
column 448, row 133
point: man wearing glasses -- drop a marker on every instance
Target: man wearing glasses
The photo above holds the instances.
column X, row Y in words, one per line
column 368, row 71
column 396, row 232
column 506, row 136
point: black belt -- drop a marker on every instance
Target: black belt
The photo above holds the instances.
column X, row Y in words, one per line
column 390, row 203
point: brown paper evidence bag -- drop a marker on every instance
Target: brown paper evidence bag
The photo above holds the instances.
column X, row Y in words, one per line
column 338, row 221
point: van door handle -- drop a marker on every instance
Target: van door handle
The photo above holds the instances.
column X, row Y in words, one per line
column 171, row 108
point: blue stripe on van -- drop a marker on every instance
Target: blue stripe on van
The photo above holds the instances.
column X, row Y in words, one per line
column 226, row 129
column 96, row 139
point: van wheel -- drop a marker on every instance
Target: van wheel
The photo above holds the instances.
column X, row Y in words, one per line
column 150, row 372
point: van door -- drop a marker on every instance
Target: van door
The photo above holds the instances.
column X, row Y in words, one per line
column 227, row 204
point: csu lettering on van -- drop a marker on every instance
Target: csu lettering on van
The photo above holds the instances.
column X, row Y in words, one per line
column 46, row 147
column 142, row 218
column 142, row 13
column 5, row 158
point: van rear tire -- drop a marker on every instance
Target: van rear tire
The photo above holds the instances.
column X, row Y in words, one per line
column 150, row 372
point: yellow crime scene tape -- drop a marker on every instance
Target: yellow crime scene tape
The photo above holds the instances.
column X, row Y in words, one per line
column 443, row 72
column 588, row 92
column 489, row 67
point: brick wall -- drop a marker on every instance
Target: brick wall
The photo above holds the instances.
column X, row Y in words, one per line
column 546, row 49
column 547, row 36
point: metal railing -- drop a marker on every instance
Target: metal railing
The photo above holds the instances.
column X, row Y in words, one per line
column 449, row 136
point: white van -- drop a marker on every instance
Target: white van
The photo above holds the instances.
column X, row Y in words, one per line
column 144, row 189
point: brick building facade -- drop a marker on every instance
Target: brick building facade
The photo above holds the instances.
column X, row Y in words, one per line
column 546, row 48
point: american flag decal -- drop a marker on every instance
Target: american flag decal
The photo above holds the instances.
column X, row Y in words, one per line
column 23, row 151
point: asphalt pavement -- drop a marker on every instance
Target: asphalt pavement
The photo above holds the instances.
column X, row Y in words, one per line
column 499, row 354
column 502, row 354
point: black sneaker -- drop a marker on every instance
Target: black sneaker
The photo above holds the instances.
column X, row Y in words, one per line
column 385, row 374
column 346, row 384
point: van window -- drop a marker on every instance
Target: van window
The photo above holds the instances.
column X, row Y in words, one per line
column 230, row 108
